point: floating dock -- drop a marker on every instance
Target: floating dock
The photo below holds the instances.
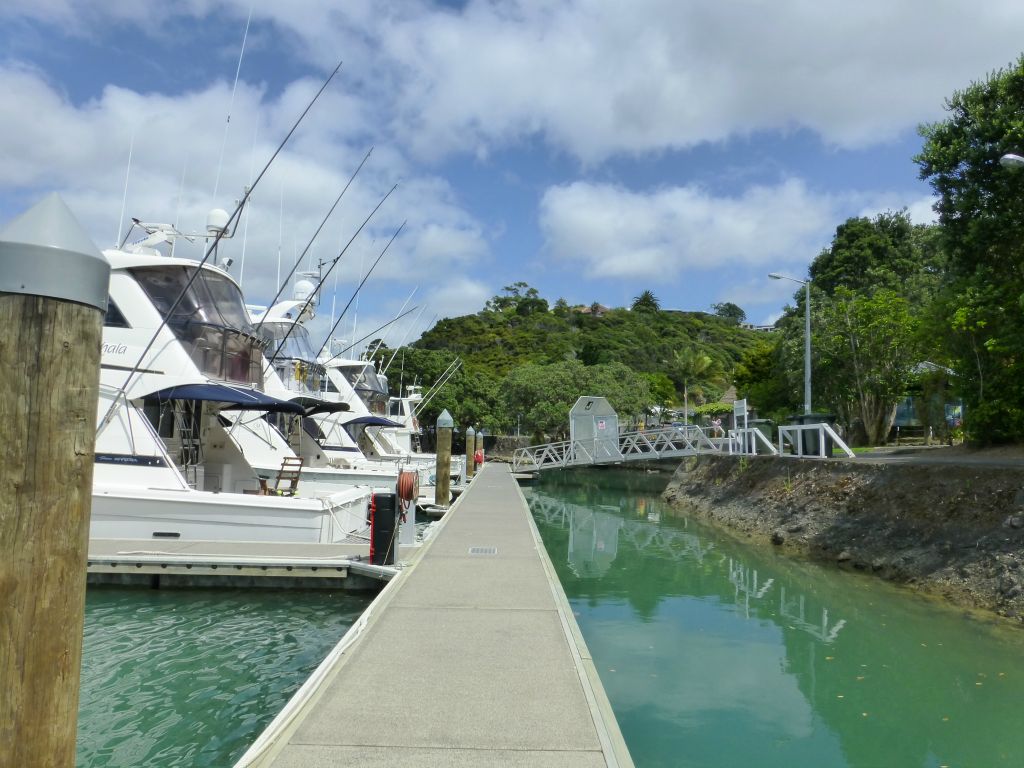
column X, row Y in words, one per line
column 469, row 657
column 234, row 564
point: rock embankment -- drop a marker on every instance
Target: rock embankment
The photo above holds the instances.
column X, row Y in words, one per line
column 954, row 531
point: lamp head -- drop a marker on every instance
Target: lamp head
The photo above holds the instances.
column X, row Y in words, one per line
column 1012, row 161
column 774, row 275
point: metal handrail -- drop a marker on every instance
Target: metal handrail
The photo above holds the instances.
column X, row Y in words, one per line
column 667, row 442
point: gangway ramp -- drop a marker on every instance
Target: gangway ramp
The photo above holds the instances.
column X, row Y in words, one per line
column 641, row 445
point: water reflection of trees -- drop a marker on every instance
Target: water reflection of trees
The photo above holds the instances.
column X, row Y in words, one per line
column 894, row 682
column 596, row 531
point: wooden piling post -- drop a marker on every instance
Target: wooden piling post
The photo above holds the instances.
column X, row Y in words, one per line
column 443, row 469
column 480, row 446
column 470, row 447
column 53, row 293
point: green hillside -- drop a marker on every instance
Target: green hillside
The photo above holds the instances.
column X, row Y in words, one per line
column 525, row 362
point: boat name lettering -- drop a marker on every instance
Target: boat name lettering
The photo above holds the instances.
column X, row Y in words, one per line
column 114, row 349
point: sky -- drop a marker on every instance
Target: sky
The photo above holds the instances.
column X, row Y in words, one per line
column 592, row 149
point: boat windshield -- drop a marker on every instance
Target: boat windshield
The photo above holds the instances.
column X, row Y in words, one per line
column 209, row 320
column 297, row 345
column 364, row 378
column 369, row 385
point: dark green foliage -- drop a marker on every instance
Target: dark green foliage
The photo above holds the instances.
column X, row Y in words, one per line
column 868, row 253
column 713, row 409
column 870, row 292
column 646, row 302
column 762, row 379
column 536, row 361
column 981, row 213
column 729, row 311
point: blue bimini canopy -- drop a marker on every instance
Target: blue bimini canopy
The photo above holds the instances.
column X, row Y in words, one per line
column 372, row 421
column 241, row 398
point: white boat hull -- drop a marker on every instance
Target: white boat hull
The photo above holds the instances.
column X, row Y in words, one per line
column 161, row 514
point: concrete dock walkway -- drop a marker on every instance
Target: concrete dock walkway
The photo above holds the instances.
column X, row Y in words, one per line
column 472, row 658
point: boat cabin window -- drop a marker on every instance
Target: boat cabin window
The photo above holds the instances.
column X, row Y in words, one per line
column 209, row 320
column 369, row 386
column 114, row 317
column 297, row 345
column 364, row 378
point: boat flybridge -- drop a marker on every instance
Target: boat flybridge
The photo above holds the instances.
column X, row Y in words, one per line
column 292, row 374
column 180, row 362
column 382, row 429
column 325, row 438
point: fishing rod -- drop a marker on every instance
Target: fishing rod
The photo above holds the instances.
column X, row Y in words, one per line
column 441, row 381
column 364, row 338
column 437, row 388
column 334, row 263
column 299, row 258
column 404, row 305
column 366, row 277
column 380, row 341
column 212, row 249
column 402, row 343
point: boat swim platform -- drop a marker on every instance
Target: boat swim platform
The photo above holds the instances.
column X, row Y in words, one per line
column 470, row 657
column 249, row 564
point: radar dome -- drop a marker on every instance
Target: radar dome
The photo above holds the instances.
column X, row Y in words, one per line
column 217, row 222
column 303, row 290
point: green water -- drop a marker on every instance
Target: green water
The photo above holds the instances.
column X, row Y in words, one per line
column 191, row 677
column 718, row 654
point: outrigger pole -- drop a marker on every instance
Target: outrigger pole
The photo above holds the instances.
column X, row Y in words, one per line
column 375, row 330
column 334, row 263
column 298, row 260
column 211, row 249
column 366, row 276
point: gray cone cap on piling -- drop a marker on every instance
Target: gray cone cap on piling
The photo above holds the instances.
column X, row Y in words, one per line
column 445, row 420
column 45, row 252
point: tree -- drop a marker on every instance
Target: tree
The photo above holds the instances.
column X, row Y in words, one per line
column 519, row 298
column 868, row 253
column 646, row 302
column 729, row 311
column 544, row 394
column 868, row 350
column 761, row 379
column 981, row 212
column 690, row 365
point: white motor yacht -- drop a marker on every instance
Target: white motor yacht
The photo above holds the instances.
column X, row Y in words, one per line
column 293, row 373
column 178, row 335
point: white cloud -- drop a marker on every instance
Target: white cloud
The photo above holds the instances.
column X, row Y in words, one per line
column 176, row 142
column 597, row 79
column 610, row 231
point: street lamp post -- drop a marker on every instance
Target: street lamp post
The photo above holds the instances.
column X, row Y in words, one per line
column 807, row 334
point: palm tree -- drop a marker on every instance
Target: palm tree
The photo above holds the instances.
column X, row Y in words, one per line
column 691, row 364
column 646, row 301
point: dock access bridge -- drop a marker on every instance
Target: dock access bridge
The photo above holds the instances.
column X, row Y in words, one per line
column 594, row 438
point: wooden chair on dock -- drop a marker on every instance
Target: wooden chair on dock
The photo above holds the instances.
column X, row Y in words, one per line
column 287, row 481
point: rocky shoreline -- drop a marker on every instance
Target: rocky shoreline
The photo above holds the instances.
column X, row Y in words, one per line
column 951, row 530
